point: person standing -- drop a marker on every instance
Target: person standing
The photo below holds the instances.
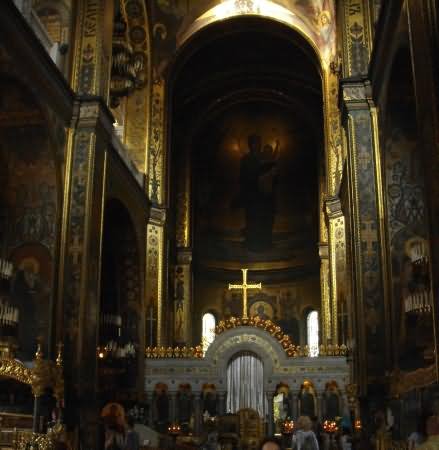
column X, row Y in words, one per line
column 304, row 438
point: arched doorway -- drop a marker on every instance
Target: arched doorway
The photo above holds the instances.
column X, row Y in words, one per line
column 120, row 303
column 245, row 381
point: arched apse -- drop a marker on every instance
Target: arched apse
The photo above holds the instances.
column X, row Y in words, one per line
column 229, row 92
column 171, row 21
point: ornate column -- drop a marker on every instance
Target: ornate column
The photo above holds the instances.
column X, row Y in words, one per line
column 81, row 235
column 368, row 234
column 324, row 265
column 366, row 206
column 337, row 258
column 182, row 298
column 155, row 245
column 81, row 256
column 93, row 48
column 183, row 270
column 156, row 238
column 325, row 293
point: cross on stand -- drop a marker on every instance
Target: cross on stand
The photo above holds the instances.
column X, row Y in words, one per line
column 244, row 286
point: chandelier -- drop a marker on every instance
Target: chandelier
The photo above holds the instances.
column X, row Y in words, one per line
column 6, row 269
column 8, row 319
column 126, row 67
column 111, row 332
column 114, row 350
column 417, row 295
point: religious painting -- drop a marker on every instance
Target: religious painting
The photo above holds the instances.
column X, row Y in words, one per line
column 252, row 191
column 283, row 303
column 177, row 20
column 262, row 309
column 30, row 292
column 28, row 213
column 307, row 400
column 184, row 404
column 332, row 401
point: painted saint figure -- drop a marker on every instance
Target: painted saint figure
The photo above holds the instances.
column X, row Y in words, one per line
column 258, row 178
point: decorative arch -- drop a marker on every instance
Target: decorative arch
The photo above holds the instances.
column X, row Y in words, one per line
column 243, row 339
column 121, row 305
column 200, row 18
column 292, row 16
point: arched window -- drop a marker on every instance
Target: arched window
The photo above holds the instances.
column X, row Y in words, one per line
column 208, row 330
column 312, row 331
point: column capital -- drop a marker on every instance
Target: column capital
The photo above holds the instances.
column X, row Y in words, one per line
column 157, row 216
column 323, row 250
column 184, row 255
column 333, row 207
column 355, row 94
column 92, row 112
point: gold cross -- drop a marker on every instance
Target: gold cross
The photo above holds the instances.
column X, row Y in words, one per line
column 244, row 286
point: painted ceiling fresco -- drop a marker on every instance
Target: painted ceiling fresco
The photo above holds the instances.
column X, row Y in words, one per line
column 175, row 21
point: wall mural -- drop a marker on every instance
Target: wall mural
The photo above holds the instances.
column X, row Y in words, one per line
column 408, row 235
column 28, row 215
column 285, row 303
column 409, row 256
column 28, row 205
column 255, row 186
column 175, row 20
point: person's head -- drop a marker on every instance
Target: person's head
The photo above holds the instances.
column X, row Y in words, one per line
column 270, row 443
column 304, row 423
column 130, row 422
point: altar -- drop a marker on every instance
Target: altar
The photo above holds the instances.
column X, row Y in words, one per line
column 192, row 389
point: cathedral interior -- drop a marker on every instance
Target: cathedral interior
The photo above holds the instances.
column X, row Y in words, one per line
column 218, row 216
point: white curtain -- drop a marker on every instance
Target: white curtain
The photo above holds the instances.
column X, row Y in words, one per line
column 245, row 384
